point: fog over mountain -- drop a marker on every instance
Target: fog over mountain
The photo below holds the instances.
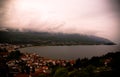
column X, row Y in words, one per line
column 89, row 17
column 45, row 38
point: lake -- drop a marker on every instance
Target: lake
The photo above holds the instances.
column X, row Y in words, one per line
column 71, row 52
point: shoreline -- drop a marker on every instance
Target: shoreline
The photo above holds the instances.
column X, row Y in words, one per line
column 67, row 50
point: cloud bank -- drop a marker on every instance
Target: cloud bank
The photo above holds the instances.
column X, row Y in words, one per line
column 96, row 17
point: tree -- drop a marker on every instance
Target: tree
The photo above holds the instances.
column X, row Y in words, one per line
column 14, row 55
column 73, row 73
column 95, row 61
column 90, row 70
column 61, row 72
column 42, row 75
column 3, row 50
column 84, row 62
column 77, row 63
column 33, row 69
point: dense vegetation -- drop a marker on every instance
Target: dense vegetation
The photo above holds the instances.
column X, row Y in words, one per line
column 44, row 38
column 94, row 67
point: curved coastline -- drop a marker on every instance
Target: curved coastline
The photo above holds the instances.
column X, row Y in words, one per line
column 69, row 52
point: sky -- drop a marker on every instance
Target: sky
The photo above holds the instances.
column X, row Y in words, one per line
column 92, row 17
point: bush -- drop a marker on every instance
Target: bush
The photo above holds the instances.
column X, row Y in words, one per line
column 61, row 72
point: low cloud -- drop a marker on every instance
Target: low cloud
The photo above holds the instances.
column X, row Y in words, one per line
column 93, row 17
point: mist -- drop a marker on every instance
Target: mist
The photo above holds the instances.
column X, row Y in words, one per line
column 92, row 17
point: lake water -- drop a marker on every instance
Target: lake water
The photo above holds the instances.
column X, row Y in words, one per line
column 71, row 52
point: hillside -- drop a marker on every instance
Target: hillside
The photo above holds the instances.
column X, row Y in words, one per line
column 45, row 38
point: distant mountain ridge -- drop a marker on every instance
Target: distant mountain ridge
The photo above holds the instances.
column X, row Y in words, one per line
column 45, row 38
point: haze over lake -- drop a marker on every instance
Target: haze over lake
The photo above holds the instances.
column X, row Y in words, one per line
column 71, row 52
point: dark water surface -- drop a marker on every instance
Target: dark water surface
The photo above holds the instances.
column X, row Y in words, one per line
column 71, row 52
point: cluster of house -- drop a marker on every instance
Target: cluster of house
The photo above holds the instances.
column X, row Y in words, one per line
column 9, row 47
column 31, row 62
column 12, row 47
column 37, row 63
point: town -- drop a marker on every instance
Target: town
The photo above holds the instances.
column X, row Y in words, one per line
column 14, row 63
column 28, row 63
